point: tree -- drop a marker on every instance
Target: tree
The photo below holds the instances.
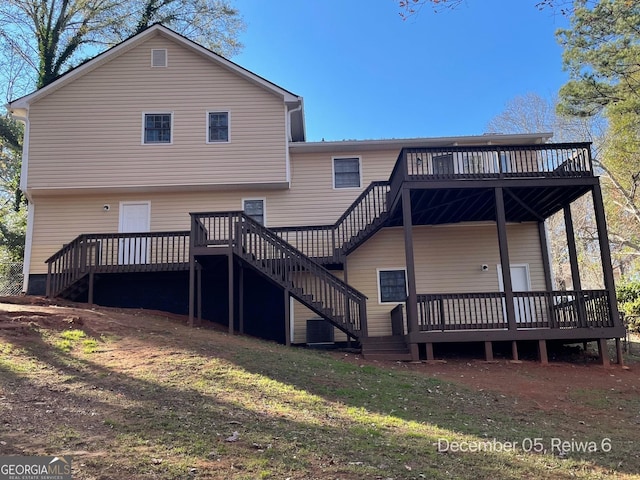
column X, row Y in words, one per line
column 411, row 7
column 51, row 36
column 602, row 56
column 532, row 113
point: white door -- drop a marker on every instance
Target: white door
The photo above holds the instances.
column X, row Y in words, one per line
column 520, row 282
column 135, row 217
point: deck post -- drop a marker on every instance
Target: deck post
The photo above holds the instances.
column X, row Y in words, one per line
column 199, row 292
column 241, row 299
column 514, row 351
column 488, row 351
column 287, row 318
column 192, row 270
column 429, row 348
column 546, row 261
column 603, row 352
column 412, row 297
column 619, row 357
column 90, row 294
column 575, row 269
column 542, row 352
column 48, row 284
column 505, row 264
column 605, row 253
column 230, row 281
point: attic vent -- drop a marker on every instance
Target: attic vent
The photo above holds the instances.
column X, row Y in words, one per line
column 158, row 58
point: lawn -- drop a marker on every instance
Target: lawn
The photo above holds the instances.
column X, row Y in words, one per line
column 133, row 394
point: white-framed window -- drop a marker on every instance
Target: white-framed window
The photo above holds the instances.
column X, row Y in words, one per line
column 157, row 128
column 218, row 124
column 158, row 57
column 347, row 172
column 392, row 285
column 254, row 208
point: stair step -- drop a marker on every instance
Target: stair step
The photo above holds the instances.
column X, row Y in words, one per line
column 393, row 357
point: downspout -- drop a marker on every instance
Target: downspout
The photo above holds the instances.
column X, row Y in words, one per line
column 289, row 139
column 30, row 205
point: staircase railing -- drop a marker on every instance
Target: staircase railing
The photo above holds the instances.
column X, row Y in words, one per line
column 330, row 243
column 113, row 253
column 309, row 282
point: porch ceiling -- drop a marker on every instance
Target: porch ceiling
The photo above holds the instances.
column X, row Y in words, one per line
column 522, row 204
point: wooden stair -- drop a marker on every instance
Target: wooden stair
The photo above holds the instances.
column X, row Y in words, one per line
column 392, row 347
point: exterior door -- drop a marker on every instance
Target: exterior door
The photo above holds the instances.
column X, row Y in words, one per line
column 135, row 217
column 520, row 282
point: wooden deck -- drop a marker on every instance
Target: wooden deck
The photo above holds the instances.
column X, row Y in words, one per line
column 428, row 186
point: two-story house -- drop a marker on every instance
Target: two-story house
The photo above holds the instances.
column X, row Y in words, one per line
column 162, row 175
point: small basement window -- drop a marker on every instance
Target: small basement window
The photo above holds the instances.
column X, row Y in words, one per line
column 346, row 172
column 392, row 286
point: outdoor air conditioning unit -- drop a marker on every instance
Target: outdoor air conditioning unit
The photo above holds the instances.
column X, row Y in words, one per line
column 319, row 331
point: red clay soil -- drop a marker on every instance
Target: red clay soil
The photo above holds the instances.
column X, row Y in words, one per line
column 544, row 386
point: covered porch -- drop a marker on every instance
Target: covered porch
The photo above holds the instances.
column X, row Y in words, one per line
column 502, row 186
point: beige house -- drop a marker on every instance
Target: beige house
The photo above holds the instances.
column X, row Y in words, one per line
column 162, row 175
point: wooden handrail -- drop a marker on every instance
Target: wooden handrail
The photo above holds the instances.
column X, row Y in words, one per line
column 555, row 309
column 308, row 281
column 113, row 253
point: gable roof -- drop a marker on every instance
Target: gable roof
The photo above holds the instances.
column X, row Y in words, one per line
column 292, row 100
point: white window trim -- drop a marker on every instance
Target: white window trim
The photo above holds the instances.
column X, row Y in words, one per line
column 166, row 58
column 333, row 171
column 391, row 269
column 206, row 134
column 165, row 112
column 264, row 207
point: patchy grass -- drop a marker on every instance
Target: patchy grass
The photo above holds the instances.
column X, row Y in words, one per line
column 156, row 399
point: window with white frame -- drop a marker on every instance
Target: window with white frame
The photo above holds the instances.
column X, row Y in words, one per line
column 346, row 172
column 157, row 127
column 392, row 286
column 217, row 127
column 254, row 208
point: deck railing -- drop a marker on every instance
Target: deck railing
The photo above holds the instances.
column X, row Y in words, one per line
column 330, row 243
column 557, row 309
column 116, row 252
column 308, row 281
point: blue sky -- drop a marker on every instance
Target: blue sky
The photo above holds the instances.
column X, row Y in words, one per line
column 365, row 73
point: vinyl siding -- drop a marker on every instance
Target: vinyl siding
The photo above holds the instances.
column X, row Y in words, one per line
column 448, row 259
column 89, row 133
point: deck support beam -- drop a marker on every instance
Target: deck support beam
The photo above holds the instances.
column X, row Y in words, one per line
column 546, row 259
column 505, row 264
column 287, row 318
column 514, row 351
column 199, row 292
column 412, row 297
column 603, row 352
column 619, row 357
column 605, row 253
column 542, row 352
column 429, row 349
column 488, row 351
column 241, row 300
column 231, row 290
column 91, row 284
column 192, row 288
